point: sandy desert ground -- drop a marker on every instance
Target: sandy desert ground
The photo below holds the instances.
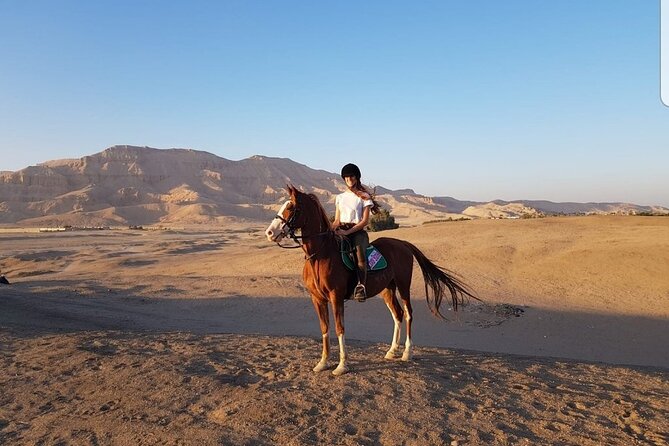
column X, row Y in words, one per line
column 206, row 336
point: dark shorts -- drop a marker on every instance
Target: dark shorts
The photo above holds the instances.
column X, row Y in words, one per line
column 359, row 242
column 359, row 238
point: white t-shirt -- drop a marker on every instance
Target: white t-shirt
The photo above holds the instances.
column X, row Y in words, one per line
column 351, row 206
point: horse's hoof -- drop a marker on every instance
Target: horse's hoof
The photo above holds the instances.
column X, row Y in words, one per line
column 390, row 354
column 320, row 367
column 340, row 370
column 407, row 356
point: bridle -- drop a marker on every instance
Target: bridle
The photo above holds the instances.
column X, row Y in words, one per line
column 289, row 224
column 289, row 229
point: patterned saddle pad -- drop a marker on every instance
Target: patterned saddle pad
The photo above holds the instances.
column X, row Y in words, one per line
column 375, row 260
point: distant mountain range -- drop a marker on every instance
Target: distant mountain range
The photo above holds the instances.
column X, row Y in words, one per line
column 127, row 185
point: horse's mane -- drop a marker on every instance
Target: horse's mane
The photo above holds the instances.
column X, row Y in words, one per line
column 325, row 220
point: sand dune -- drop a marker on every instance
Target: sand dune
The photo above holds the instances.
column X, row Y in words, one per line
column 206, row 336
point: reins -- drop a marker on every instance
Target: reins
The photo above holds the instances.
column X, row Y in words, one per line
column 291, row 228
column 296, row 238
column 291, row 233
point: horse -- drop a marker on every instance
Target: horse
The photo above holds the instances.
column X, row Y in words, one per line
column 329, row 281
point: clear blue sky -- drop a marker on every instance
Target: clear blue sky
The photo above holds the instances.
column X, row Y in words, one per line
column 478, row 100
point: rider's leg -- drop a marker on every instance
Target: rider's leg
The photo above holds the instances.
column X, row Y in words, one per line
column 361, row 244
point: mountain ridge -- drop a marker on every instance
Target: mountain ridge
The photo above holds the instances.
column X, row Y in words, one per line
column 130, row 185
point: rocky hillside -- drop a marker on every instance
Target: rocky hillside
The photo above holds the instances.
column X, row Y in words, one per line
column 126, row 185
column 141, row 185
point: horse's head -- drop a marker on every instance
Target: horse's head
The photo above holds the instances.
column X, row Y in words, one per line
column 287, row 220
column 303, row 211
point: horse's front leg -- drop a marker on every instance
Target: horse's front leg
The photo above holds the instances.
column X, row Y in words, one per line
column 338, row 310
column 321, row 307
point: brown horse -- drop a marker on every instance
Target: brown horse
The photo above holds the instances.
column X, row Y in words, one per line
column 328, row 280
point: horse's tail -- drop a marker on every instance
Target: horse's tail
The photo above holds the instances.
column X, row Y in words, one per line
column 440, row 280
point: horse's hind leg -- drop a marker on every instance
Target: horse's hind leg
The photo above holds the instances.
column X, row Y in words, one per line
column 405, row 295
column 389, row 298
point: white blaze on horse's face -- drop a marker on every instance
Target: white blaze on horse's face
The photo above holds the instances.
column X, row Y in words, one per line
column 278, row 229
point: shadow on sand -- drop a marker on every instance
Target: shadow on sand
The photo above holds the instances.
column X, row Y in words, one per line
column 39, row 308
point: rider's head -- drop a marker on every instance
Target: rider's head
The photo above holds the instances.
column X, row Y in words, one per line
column 350, row 170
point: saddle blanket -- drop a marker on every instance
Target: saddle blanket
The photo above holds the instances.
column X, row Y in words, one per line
column 375, row 260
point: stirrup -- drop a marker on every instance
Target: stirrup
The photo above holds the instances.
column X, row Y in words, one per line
column 360, row 293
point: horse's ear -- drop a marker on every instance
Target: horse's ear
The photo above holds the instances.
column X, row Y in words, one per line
column 291, row 190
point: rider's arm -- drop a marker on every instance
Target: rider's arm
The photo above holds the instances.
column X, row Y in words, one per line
column 335, row 223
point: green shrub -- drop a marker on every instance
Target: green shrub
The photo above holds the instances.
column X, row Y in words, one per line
column 444, row 220
column 382, row 221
